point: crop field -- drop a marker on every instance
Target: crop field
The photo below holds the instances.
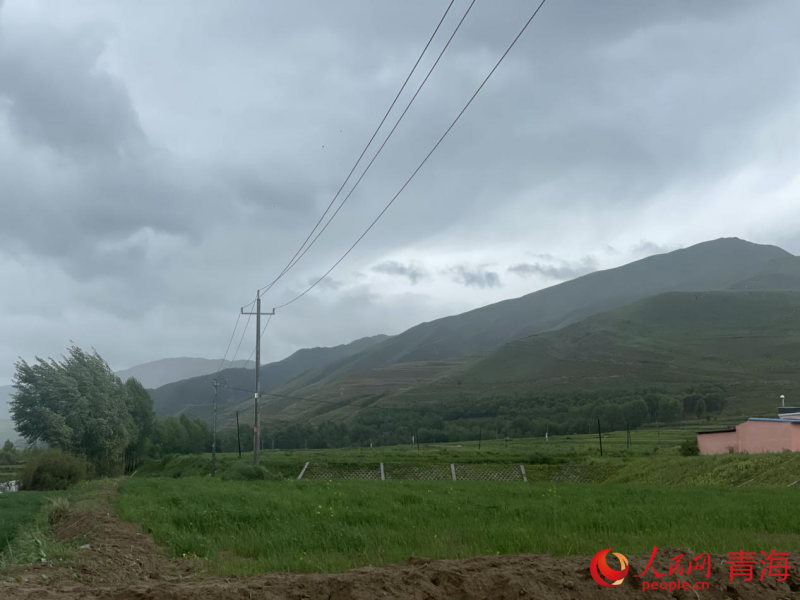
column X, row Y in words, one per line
column 575, row 449
column 18, row 509
column 253, row 527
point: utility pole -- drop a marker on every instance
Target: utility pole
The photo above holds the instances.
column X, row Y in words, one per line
column 238, row 437
column 256, row 432
column 215, row 383
column 600, row 437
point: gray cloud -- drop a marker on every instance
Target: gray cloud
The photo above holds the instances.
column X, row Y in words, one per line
column 413, row 273
column 479, row 277
column 560, row 271
column 154, row 175
column 647, row 247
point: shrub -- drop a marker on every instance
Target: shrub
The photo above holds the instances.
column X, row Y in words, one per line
column 59, row 510
column 243, row 471
column 689, row 447
column 52, row 470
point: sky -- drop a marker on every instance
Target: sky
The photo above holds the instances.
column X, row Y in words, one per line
column 160, row 161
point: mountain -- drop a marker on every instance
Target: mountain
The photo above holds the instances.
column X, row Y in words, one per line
column 748, row 341
column 194, row 395
column 715, row 265
column 161, row 372
column 732, row 337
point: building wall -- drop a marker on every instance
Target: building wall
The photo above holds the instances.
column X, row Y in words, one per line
column 765, row 436
column 796, row 438
column 718, row 443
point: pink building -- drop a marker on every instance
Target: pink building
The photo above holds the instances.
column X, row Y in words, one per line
column 753, row 436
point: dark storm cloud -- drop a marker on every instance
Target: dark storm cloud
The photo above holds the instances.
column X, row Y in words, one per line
column 159, row 161
column 479, row 277
column 411, row 272
column 562, row 270
column 56, row 96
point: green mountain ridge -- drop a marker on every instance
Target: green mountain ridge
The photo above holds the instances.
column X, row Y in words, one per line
column 749, row 341
column 194, row 395
column 714, row 265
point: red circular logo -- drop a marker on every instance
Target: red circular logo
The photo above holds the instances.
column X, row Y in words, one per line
column 604, row 574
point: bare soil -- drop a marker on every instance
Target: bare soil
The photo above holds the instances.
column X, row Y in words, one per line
column 125, row 564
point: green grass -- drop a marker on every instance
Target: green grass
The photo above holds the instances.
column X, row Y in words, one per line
column 573, row 449
column 18, row 509
column 247, row 527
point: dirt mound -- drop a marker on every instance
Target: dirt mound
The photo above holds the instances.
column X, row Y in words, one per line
column 124, row 564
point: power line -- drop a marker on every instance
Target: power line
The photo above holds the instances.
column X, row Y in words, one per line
column 230, row 341
column 241, row 339
column 424, row 160
column 292, row 261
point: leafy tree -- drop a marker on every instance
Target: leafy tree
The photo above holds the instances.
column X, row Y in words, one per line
column 140, row 407
column 8, row 446
column 636, row 412
column 77, row 405
column 669, row 410
column 700, row 408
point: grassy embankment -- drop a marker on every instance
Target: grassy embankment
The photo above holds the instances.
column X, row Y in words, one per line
column 252, row 527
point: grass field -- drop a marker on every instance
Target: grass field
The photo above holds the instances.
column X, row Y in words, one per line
column 575, row 449
column 18, row 509
column 252, row 527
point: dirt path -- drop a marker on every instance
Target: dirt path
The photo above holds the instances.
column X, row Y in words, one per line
column 124, row 564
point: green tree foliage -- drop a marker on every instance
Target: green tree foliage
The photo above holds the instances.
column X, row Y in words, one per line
column 80, row 406
column 8, row 446
column 140, row 407
column 669, row 410
column 52, row 470
column 179, row 435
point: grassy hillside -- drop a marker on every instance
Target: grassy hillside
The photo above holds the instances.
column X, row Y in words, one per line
column 715, row 265
column 750, row 341
column 194, row 395
column 747, row 342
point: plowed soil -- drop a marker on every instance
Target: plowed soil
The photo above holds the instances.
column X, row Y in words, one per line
column 124, row 564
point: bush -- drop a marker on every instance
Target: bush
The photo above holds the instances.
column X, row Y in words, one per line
column 59, row 510
column 689, row 447
column 243, row 471
column 52, row 470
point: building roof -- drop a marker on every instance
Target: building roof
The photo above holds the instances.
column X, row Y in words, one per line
column 775, row 420
column 730, row 430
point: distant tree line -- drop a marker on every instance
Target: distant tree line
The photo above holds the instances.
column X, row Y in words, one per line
column 496, row 416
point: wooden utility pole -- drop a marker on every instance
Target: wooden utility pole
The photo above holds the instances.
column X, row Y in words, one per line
column 215, row 383
column 600, row 437
column 256, row 432
column 238, row 437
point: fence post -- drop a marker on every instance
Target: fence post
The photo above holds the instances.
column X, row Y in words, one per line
column 524, row 476
column 305, row 466
column 453, row 471
column 383, row 475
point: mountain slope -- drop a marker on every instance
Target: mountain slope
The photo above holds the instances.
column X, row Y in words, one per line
column 180, row 395
column 161, row 372
column 673, row 337
column 714, row 265
column 747, row 341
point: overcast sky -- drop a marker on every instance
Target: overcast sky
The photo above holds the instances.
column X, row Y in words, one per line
column 159, row 161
